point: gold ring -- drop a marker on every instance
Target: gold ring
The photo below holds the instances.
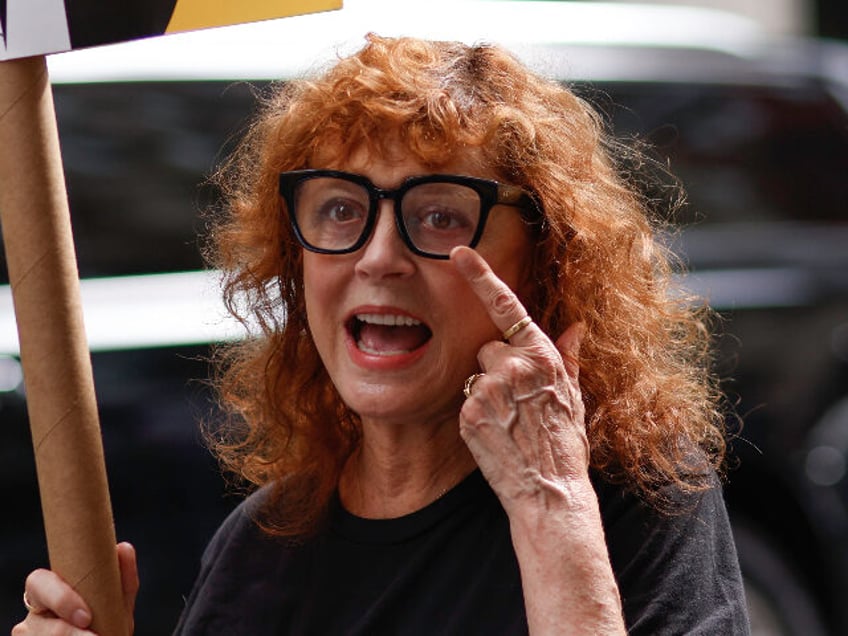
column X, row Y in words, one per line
column 32, row 609
column 469, row 383
column 509, row 333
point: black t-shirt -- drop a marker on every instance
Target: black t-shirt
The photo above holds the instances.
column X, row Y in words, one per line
column 450, row 568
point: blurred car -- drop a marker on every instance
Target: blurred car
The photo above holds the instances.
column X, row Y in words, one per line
column 756, row 127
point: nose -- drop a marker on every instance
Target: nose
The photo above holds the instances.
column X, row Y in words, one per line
column 385, row 253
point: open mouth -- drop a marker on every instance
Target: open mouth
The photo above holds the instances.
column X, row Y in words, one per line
column 388, row 334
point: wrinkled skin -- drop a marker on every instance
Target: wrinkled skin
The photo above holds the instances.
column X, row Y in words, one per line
column 524, row 419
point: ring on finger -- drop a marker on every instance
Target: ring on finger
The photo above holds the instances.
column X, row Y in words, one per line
column 514, row 329
column 469, row 383
column 32, row 609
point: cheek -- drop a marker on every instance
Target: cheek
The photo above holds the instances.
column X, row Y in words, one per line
column 311, row 289
column 513, row 265
column 320, row 289
column 323, row 275
column 467, row 320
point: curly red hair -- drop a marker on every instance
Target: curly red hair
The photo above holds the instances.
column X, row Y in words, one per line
column 651, row 402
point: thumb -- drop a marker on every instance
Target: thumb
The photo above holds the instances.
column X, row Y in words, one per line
column 129, row 578
column 568, row 345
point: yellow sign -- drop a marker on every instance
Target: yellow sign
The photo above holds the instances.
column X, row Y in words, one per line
column 40, row 27
column 198, row 14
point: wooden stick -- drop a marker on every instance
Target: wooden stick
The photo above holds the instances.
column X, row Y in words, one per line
column 62, row 408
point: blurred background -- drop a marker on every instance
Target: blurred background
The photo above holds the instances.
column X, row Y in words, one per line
column 745, row 100
column 824, row 18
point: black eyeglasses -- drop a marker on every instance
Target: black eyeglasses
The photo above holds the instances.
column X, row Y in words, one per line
column 334, row 212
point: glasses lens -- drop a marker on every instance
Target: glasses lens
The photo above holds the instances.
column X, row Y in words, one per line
column 331, row 213
column 440, row 216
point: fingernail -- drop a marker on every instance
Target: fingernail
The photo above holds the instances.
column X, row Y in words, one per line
column 462, row 260
column 81, row 618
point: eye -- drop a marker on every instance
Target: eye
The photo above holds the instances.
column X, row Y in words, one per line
column 444, row 211
column 443, row 219
column 341, row 211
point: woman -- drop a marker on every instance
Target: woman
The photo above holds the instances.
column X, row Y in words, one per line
column 433, row 460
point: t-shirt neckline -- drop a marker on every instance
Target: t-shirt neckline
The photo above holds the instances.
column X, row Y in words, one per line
column 400, row 529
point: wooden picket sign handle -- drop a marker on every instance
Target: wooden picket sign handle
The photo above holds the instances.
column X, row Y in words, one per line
column 36, row 226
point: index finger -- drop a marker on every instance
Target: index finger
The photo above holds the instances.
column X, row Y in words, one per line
column 500, row 301
column 47, row 592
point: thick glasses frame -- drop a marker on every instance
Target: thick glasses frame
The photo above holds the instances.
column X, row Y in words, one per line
column 491, row 193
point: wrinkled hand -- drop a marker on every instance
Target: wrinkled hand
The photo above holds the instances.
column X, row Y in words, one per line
column 59, row 609
column 524, row 420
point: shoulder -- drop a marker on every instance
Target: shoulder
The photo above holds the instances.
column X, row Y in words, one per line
column 243, row 520
column 677, row 567
column 688, row 521
column 237, row 575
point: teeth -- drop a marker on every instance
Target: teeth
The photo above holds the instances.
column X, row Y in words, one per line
column 390, row 320
column 377, row 352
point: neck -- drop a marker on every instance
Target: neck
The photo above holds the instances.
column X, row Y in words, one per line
column 391, row 476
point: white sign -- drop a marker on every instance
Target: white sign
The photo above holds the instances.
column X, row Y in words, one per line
column 40, row 27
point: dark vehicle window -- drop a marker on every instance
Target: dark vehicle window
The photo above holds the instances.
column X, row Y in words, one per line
column 733, row 147
column 135, row 156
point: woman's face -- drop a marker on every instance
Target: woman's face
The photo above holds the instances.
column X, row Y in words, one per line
column 399, row 333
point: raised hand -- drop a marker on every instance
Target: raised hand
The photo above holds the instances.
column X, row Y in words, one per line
column 523, row 419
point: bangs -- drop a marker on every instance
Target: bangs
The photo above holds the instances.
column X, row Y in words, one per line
column 432, row 134
column 426, row 96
